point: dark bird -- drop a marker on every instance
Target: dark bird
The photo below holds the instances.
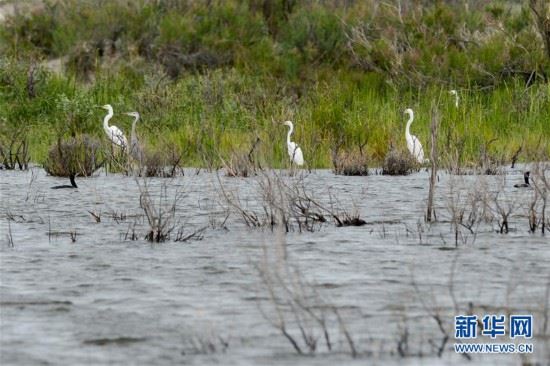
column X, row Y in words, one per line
column 526, row 184
column 73, row 184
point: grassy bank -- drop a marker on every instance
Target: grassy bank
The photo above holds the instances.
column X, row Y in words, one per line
column 209, row 79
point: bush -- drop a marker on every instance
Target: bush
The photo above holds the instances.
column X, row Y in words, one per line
column 164, row 162
column 239, row 165
column 82, row 61
column 175, row 61
column 350, row 163
column 76, row 156
column 317, row 34
column 14, row 150
column 398, row 162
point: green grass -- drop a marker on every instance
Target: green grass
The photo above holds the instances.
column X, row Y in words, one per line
column 256, row 69
column 223, row 111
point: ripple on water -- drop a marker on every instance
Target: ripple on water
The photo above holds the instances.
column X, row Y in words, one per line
column 133, row 301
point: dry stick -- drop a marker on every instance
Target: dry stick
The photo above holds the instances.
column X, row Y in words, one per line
column 543, row 26
column 296, row 301
column 11, row 156
column 251, row 151
column 10, row 151
column 503, row 212
column 10, row 236
column 197, row 234
column 281, row 325
column 308, row 309
column 293, row 299
column 433, row 157
column 543, row 190
column 347, row 335
column 250, row 218
column 543, row 216
column 331, row 213
column 31, row 181
column 160, row 227
column 457, row 213
column 452, row 282
column 22, row 161
column 96, row 216
column 546, row 308
column 3, row 155
column 308, row 339
column 515, row 156
column 532, row 211
column 485, row 159
column 435, row 316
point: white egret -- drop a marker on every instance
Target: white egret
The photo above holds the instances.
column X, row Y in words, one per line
column 113, row 132
column 135, row 148
column 294, row 151
column 413, row 144
column 455, row 93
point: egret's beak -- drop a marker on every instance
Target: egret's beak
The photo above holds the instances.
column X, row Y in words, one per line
column 128, row 114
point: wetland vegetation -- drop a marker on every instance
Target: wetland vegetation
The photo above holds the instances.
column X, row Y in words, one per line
column 192, row 238
column 211, row 77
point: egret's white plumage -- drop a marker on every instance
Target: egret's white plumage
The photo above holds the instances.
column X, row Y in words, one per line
column 135, row 148
column 455, row 93
column 294, row 151
column 113, row 132
column 413, row 144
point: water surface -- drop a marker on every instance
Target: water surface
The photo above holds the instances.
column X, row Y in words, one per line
column 106, row 299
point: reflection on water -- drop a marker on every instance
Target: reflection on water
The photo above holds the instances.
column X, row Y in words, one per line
column 104, row 299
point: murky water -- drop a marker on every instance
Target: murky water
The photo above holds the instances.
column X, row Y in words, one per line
column 106, row 299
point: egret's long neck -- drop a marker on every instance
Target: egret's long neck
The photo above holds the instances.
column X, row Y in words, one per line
column 456, row 100
column 106, row 119
column 134, row 126
column 289, row 133
column 409, row 122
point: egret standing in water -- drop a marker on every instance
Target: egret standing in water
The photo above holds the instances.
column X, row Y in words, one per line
column 294, row 151
column 455, row 93
column 413, row 144
column 113, row 132
column 136, row 151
